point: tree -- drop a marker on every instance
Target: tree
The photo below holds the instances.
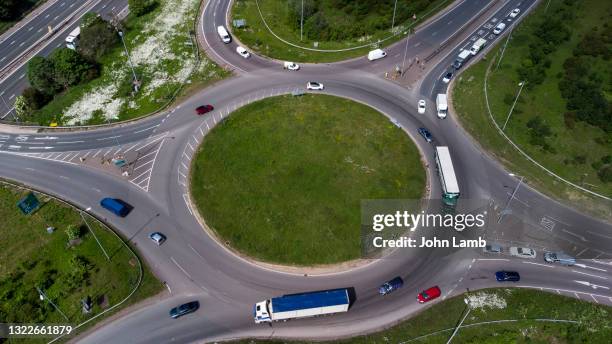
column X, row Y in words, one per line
column 8, row 10
column 140, row 7
column 22, row 108
column 73, row 232
column 69, row 67
column 97, row 38
column 41, row 75
column 34, row 98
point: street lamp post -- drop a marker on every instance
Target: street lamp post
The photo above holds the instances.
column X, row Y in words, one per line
column 501, row 215
column 94, row 234
column 405, row 51
column 302, row 23
column 521, row 84
column 393, row 20
column 467, row 301
column 43, row 297
column 129, row 60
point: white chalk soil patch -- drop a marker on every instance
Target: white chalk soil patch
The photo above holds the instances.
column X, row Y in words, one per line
column 157, row 52
column 483, row 300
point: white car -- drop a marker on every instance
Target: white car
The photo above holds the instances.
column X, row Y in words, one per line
column 291, row 66
column 447, row 77
column 315, row 86
column 499, row 28
column 243, row 52
column 421, row 107
column 515, row 12
column 522, row 252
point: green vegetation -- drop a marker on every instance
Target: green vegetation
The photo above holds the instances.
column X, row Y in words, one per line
column 162, row 48
column 562, row 117
column 522, row 304
column 11, row 11
column 282, row 179
column 328, row 25
column 67, row 265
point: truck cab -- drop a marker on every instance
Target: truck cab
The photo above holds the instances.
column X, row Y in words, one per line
column 260, row 312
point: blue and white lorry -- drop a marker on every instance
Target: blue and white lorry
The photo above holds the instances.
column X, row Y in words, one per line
column 302, row 305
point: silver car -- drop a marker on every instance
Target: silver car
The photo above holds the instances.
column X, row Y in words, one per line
column 522, row 252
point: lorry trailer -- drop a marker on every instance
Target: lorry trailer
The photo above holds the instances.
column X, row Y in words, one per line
column 303, row 305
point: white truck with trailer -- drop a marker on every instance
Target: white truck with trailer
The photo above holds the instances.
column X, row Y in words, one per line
column 441, row 105
column 302, row 305
column 479, row 44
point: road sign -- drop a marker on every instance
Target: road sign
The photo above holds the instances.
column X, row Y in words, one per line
column 28, row 204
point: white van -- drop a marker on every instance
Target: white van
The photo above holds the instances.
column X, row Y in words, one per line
column 225, row 37
column 376, row 54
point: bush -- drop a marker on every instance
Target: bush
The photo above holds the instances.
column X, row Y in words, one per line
column 605, row 173
column 141, row 7
column 73, row 232
column 34, row 98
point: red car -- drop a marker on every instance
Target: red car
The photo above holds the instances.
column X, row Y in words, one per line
column 202, row 109
column 429, row 294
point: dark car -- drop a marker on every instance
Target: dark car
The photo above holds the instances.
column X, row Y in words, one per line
column 116, row 206
column 183, row 309
column 507, row 276
column 426, row 134
column 390, row 286
column 457, row 64
column 202, row 109
column 447, row 77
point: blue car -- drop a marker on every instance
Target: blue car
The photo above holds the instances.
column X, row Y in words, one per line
column 390, row 286
column 507, row 276
column 426, row 134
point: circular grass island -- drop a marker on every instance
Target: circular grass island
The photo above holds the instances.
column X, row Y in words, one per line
column 281, row 179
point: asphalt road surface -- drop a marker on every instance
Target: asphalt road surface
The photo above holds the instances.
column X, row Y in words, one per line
column 195, row 266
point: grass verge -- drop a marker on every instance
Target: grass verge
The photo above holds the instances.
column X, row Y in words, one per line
column 276, row 13
column 523, row 305
column 65, row 271
column 282, row 179
column 574, row 151
column 164, row 55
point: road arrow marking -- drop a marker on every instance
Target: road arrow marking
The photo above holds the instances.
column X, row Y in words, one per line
column 584, row 273
column 590, row 267
column 589, row 284
column 574, row 234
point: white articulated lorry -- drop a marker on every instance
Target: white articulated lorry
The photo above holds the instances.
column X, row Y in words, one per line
column 302, row 305
column 441, row 105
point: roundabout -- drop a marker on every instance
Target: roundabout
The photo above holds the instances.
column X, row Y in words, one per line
column 281, row 179
column 194, row 266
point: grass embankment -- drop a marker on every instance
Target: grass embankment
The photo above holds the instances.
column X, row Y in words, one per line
column 282, row 179
column 67, row 273
column 339, row 22
column 572, row 149
column 522, row 304
column 161, row 49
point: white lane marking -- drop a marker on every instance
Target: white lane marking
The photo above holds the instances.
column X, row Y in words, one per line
column 591, row 275
column 144, row 156
column 594, row 299
column 14, row 147
column 180, row 267
column 64, row 177
column 39, row 147
column 142, row 174
column 145, row 129
column 129, row 149
column 581, row 252
column 485, row 259
column 98, row 152
column 68, row 142
column 186, row 199
column 109, row 138
column 46, row 138
column 548, row 266
column 143, row 165
column 96, row 190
